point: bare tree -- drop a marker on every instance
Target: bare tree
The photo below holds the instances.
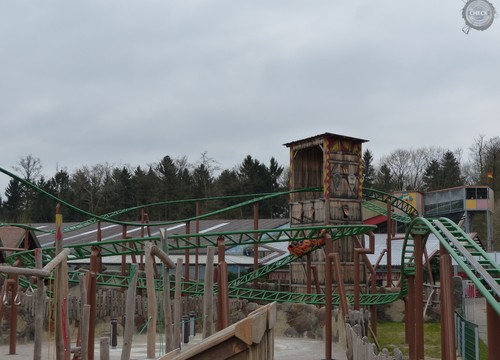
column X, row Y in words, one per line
column 30, row 168
column 478, row 155
column 408, row 166
column 399, row 164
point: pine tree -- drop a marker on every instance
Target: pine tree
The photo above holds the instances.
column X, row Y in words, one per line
column 432, row 177
column 14, row 203
column 368, row 169
column 450, row 169
column 384, row 180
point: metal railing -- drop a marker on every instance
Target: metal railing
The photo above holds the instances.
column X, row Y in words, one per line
column 467, row 336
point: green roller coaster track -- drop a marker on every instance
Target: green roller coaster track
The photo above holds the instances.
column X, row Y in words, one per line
column 191, row 241
column 480, row 268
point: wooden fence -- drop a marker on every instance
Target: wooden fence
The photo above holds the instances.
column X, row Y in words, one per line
column 110, row 303
column 358, row 344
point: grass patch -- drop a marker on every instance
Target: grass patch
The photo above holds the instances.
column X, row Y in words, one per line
column 391, row 335
column 483, row 350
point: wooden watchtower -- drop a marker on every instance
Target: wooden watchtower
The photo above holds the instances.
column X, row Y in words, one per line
column 331, row 163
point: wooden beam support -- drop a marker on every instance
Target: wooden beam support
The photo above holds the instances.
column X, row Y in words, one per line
column 156, row 251
column 167, row 303
column 150, row 290
column 40, row 306
column 11, row 270
column 177, row 304
column 58, row 259
column 208, row 295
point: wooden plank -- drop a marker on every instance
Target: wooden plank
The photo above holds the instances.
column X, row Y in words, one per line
column 243, row 330
column 259, row 326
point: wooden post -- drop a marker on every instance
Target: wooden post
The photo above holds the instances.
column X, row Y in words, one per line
column 91, row 300
column 128, row 333
column 83, row 301
column 104, row 348
column 316, row 279
column 410, row 317
column 256, row 244
column 167, row 303
column 177, row 304
column 83, row 289
column 419, row 296
column 99, row 239
column 197, row 250
column 63, row 340
column 150, row 289
column 186, row 255
column 141, row 257
column 84, row 350
column 208, row 298
column 308, row 273
column 448, row 344
column 389, row 244
column 493, row 330
column 13, row 315
column 39, row 308
column 340, row 283
column 124, row 257
column 328, row 297
column 223, row 298
column 357, row 287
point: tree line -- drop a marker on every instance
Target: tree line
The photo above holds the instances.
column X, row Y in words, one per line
column 433, row 168
column 103, row 188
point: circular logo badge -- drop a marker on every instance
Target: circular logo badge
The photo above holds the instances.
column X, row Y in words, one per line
column 478, row 14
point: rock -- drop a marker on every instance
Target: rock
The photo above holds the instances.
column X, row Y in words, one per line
column 291, row 332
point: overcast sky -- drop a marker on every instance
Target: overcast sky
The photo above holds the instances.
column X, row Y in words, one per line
column 128, row 82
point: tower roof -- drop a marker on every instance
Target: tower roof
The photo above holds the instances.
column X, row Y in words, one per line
column 318, row 139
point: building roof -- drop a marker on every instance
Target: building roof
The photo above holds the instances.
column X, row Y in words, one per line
column 376, row 220
column 234, row 255
column 13, row 237
column 321, row 136
column 432, row 246
column 110, row 231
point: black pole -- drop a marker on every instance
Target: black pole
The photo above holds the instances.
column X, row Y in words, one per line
column 185, row 328
column 114, row 334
